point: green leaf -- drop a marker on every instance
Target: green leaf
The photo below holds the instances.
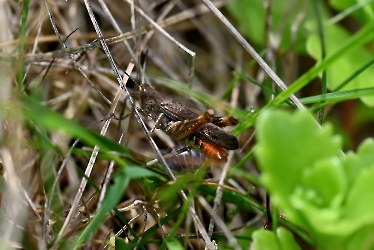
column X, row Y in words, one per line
column 264, row 239
column 287, row 240
column 361, row 37
column 173, row 243
column 360, row 200
column 338, row 96
column 287, row 146
column 250, row 15
column 361, row 239
column 319, row 197
column 363, row 159
column 318, row 188
column 150, row 184
column 327, row 180
column 282, row 240
column 121, row 181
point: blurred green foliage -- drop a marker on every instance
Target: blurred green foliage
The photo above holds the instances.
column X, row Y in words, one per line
column 320, row 189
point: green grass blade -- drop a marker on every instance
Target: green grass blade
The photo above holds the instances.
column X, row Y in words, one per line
column 338, row 96
column 363, row 36
column 360, row 38
column 53, row 121
column 317, row 7
column 22, row 38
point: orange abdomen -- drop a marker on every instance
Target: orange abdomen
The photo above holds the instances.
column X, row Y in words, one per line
column 213, row 152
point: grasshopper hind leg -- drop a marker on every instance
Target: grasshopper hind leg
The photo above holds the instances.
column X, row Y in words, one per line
column 181, row 129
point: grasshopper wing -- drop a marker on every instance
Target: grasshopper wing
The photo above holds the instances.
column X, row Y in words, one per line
column 216, row 135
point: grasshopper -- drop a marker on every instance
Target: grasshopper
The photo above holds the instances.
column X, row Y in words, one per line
column 201, row 132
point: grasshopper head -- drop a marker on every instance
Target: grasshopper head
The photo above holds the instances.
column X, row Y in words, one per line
column 147, row 90
column 148, row 96
column 144, row 87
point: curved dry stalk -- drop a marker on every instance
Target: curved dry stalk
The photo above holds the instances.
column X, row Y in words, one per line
column 67, row 51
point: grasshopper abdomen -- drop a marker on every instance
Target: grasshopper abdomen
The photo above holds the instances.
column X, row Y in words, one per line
column 209, row 150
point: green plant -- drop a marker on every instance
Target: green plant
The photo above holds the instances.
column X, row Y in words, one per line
column 325, row 192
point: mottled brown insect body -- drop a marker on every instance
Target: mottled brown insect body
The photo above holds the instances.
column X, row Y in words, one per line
column 203, row 132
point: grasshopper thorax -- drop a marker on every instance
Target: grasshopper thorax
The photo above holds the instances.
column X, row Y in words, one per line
column 149, row 101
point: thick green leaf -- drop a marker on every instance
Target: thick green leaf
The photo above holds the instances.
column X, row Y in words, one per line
column 173, row 243
column 287, row 240
column 327, row 180
column 363, row 159
column 360, row 200
column 282, row 240
column 318, row 188
column 287, row 147
column 121, row 180
column 264, row 239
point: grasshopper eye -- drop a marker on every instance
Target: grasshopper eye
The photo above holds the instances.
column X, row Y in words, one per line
column 142, row 88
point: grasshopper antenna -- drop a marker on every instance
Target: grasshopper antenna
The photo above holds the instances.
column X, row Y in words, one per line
column 124, row 71
column 49, row 65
